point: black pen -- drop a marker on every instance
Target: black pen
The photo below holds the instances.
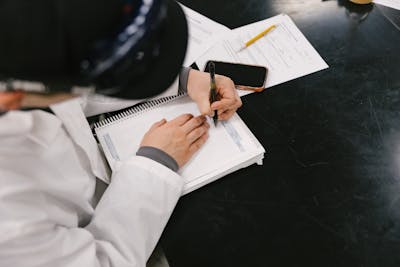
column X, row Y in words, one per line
column 213, row 90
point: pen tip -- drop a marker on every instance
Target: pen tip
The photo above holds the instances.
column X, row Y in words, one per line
column 211, row 66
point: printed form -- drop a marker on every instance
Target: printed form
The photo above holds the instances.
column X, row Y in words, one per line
column 203, row 32
column 284, row 51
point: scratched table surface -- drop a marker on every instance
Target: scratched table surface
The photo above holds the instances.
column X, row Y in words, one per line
column 328, row 193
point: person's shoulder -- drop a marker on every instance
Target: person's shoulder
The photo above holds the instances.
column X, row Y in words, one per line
column 19, row 126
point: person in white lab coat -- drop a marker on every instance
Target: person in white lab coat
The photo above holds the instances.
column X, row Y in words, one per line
column 49, row 160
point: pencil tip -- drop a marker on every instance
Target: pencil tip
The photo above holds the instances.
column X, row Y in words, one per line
column 241, row 49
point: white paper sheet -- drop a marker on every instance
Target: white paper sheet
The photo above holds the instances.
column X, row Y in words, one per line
column 203, row 33
column 284, row 51
column 389, row 3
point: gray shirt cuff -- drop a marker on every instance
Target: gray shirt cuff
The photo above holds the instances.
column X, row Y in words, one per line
column 158, row 156
column 183, row 79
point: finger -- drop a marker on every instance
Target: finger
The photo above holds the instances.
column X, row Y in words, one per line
column 196, row 145
column 224, row 82
column 204, row 106
column 226, row 115
column 198, row 132
column 193, row 123
column 227, row 92
column 182, row 119
column 225, row 104
column 158, row 124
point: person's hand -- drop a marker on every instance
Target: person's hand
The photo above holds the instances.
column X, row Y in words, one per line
column 10, row 100
column 198, row 87
column 180, row 138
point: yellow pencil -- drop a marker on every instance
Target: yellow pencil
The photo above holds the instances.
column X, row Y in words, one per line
column 258, row 36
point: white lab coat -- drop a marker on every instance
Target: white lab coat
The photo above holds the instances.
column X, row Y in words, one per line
column 48, row 214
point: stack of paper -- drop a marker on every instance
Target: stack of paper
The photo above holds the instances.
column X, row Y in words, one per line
column 284, row 51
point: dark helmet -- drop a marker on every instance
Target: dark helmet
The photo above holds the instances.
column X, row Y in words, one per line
column 125, row 48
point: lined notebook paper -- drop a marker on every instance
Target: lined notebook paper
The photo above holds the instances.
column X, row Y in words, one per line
column 230, row 146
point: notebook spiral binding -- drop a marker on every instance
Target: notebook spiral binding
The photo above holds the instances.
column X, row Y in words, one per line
column 137, row 110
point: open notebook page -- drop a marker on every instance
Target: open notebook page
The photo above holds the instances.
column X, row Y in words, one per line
column 230, row 145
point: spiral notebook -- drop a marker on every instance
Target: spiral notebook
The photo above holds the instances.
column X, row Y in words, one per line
column 230, row 146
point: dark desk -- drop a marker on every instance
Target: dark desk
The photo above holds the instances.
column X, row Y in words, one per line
column 328, row 193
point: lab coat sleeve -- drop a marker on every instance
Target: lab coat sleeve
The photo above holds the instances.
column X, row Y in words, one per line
column 123, row 231
column 134, row 210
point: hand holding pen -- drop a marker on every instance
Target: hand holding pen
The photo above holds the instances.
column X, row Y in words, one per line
column 227, row 100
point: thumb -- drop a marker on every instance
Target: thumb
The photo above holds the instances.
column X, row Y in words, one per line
column 204, row 107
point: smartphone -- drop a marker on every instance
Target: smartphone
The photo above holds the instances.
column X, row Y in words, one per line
column 245, row 77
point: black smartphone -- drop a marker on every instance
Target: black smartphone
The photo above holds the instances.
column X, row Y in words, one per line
column 245, row 77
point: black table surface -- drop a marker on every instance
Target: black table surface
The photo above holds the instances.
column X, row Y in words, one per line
column 328, row 193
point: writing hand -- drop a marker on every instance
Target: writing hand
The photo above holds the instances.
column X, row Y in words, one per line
column 199, row 90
